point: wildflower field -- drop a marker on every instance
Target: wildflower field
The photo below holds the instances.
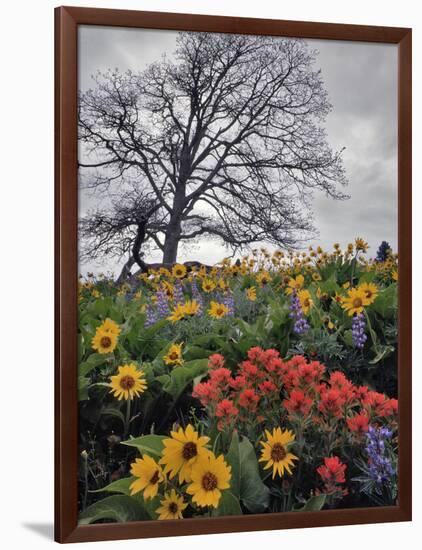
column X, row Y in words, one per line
column 263, row 384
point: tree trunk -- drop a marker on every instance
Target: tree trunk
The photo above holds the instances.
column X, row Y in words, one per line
column 171, row 245
column 125, row 271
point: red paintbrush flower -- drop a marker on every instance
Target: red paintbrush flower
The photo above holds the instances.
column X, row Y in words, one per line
column 215, row 361
column 298, row 403
column 358, row 423
column 249, row 399
column 332, row 471
column 226, row 409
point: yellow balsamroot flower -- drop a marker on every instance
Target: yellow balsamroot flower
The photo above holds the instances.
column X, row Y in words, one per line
column 223, row 284
column 295, row 284
column 104, row 341
column 208, row 285
column 316, row 276
column 171, row 506
column 276, row 453
column 355, row 301
column 181, row 311
column 218, row 311
column 263, row 278
column 96, row 293
column 149, row 475
column 360, row 244
column 110, row 326
column 179, row 271
column 251, row 293
column 210, row 475
column 182, row 451
column 370, row 290
column 305, row 300
column 174, row 355
column 395, row 275
column 128, row 383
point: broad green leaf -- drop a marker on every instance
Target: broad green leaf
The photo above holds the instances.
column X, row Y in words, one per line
column 83, row 384
column 93, row 361
column 313, row 504
column 119, row 486
column 181, row 377
column 386, row 302
column 246, row 483
column 119, row 508
column 149, row 444
column 228, row 506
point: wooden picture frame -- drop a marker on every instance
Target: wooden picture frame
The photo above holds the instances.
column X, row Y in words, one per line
column 67, row 20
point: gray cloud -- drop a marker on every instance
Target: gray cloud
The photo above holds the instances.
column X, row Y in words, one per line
column 361, row 80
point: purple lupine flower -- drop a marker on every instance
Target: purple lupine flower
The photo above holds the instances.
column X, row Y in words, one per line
column 358, row 330
column 151, row 317
column 178, row 293
column 163, row 309
column 228, row 301
column 301, row 325
column 197, row 296
column 380, row 466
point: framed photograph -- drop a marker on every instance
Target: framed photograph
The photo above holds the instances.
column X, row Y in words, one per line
column 233, row 274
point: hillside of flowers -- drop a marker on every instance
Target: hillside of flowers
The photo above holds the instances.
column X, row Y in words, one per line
column 262, row 384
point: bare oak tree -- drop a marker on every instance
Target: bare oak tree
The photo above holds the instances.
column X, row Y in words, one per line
column 227, row 133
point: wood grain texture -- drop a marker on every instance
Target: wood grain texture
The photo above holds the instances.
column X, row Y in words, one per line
column 66, row 270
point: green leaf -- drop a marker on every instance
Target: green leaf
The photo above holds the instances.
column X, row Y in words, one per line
column 181, row 377
column 119, row 508
column 151, row 445
column 93, row 361
column 386, row 302
column 383, row 352
column 119, row 486
column 83, row 384
column 228, row 506
column 313, row 504
column 246, row 483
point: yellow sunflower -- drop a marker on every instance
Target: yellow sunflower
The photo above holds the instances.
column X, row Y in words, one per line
column 177, row 314
column 218, row 311
column 276, row 453
column 178, row 271
column 305, row 300
column 104, row 341
column 316, row 276
column 295, row 284
column 263, row 278
column 191, row 308
column 210, row 475
column 251, row 293
column 182, row 451
column 360, row 244
column 174, row 355
column 395, row 275
column 171, row 507
column 149, row 474
column 208, row 285
column 355, row 301
column 128, row 383
column 370, row 290
column 110, row 326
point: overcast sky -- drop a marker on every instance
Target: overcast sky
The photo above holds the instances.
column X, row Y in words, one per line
column 361, row 80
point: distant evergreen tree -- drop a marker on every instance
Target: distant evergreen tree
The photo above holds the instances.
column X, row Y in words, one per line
column 383, row 252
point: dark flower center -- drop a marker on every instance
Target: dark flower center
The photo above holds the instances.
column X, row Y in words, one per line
column 174, row 355
column 173, row 507
column 189, row 450
column 209, row 481
column 357, row 302
column 106, row 342
column 278, row 452
column 127, row 382
column 155, row 478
